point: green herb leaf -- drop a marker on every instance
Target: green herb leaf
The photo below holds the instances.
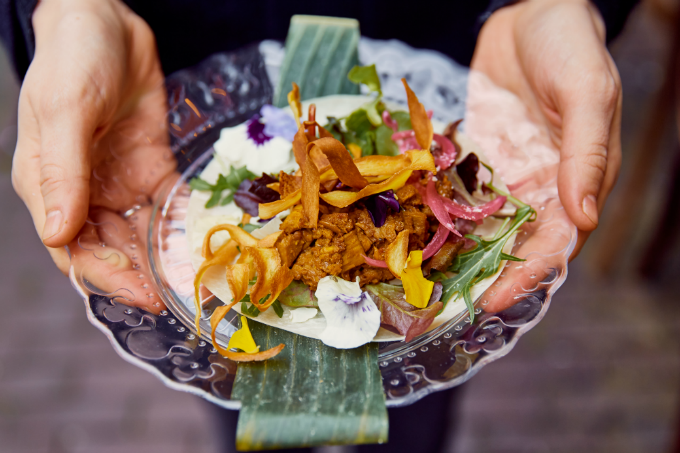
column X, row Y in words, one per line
column 231, row 182
column 366, row 75
column 278, row 309
column 199, row 184
column 384, row 145
column 358, row 122
column 249, row 227
column 403, row 120
column 481, row 262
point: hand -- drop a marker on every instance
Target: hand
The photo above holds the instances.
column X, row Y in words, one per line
column 92, row 139
column 552, row 55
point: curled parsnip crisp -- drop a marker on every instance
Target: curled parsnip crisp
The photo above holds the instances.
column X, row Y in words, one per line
column 422, row 125
column 269, row 210
column 217, row 316
column 238, row 276
column 239, row 235
column 420, row 160
column 355, row 150
column 341, row 162
column 294, row 102
column 224, row 255
column 272, row 276
column 374, row 166
column 418, row 289
column 397, row 253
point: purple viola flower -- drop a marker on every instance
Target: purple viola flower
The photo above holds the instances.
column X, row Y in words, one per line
column 256, row 131
column 278, row 123
column 377, row 206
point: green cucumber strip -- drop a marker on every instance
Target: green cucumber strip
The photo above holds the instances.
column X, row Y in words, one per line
column 309, row 395
column 320, row 51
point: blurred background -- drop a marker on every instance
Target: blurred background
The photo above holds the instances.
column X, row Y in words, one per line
column 600, row 373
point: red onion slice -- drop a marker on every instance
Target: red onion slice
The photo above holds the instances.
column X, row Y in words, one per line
column 374, row 263
column 436, row 243
column 475, row 213
column 436, row 203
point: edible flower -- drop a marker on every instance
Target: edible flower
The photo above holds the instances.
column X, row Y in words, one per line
column 417, row 288
column 278, row 123
column 377, row 206
column 352, row 318
column 242, row 339
column 269, row 123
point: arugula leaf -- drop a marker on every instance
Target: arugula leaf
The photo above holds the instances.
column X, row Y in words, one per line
column 278, row 309
column 231, row 182
column 366, row 75
column 384, row 145
column 249, row 309
column 249, row 227
column 481, row 262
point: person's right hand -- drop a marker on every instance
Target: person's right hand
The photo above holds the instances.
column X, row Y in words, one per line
column 92, row 139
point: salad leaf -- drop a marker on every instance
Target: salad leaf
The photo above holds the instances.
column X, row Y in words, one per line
column 297, row 294
column 229, row 183
column 366, row 75
column 278, row 309
column 384, row 145
column 467, row 170
column 251, row 193
column 481, row 262
column 249, row 309
column 396, row 312
column 403, row 120
column 358, row 122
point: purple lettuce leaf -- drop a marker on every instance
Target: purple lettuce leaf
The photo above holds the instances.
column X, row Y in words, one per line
column 251, row 193
column 398, row 314
column 467, row 170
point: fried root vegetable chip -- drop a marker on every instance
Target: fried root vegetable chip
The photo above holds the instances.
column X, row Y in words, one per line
column 300, row 142
column 422, row 125
column 374, row 166
column 420, row 160
column 238, row 276
column 217, row 316
column 239, row 235
column 355, row 150
column 269, row 210
column 272, row 276
column 417, row 288
column 269, row 240
column 396, row 254
column 294, row 102
column 224, row 255
column 310, row 193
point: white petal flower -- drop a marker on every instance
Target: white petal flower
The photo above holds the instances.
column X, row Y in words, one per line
column 302, row 314
column 352, row 318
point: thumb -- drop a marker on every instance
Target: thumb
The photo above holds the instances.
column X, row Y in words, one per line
column 64, row 175
column 587, row 118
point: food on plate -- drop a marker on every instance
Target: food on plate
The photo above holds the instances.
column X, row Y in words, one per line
column 355, row 224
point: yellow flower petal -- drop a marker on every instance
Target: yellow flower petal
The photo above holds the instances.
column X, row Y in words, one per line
column 242, row 339
column 417, row 288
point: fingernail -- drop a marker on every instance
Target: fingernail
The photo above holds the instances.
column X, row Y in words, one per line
column 53, row 224
column 590, row 208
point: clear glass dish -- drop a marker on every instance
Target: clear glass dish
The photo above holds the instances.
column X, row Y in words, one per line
column 228, row 89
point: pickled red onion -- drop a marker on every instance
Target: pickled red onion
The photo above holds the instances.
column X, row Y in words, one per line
column 389, row 122
column 475, row 213
column 436, row 203
column 436, row 243
column 374, row 262
column 406, row 140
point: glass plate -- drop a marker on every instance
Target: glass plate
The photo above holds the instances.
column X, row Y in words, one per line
column 227, row 89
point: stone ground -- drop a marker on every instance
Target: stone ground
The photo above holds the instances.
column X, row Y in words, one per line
column 600, row 373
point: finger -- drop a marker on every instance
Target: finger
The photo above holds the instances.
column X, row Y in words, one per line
column 110, row 271
column 546, row 245
column 65, row 169
column 588, row 108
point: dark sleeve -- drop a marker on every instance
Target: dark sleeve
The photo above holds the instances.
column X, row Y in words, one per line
column 614, row 13
column 16, row 32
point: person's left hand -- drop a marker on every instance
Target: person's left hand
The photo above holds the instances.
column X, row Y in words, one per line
column 552, row 55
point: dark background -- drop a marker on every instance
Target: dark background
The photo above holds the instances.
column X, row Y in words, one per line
column 600, row 373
